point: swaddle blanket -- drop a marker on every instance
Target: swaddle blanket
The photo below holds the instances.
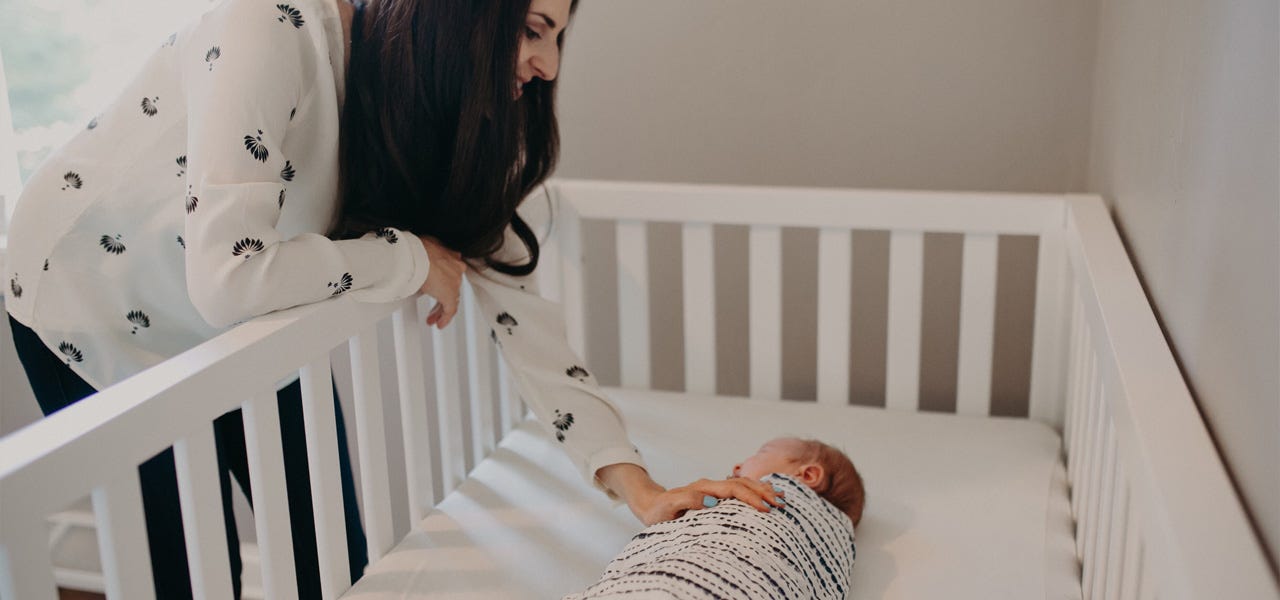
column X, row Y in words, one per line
column 733, row 551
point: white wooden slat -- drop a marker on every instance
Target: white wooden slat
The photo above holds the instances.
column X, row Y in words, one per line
column 571, row 278
column 1147, row 576
column 371, row 437
column 1116, row 543
column 199, row 492
column 977, row 324
column 320, row 426
column 1074, row 369
column 1132, row 555
column 414, row 426
column 835, row 291
column 547, row 274
column 699, row 309
column 1101, row 529
column 1093, row 480
column 906, row 287
column 765, row 306
column 633, row 304
column 1048, row 345
column 509, row 403
column 479, row 375
column 449, row 408
column 1081, row 480
column 122, row 538
column 1085, row 401
column 271, row 517
column 26, row 571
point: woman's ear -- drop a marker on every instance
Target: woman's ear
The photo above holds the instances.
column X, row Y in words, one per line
column 811, row 475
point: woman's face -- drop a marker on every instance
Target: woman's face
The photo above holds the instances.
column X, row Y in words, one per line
column 539, row 53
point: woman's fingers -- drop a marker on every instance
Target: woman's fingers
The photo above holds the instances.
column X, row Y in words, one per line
column 755, row 493
column 435, row 313
column 444, row 281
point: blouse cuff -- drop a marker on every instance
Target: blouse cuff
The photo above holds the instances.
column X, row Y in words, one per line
column 611, row 456
column 408, row 270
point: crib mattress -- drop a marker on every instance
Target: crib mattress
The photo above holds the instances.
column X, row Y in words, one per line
column 957, row 507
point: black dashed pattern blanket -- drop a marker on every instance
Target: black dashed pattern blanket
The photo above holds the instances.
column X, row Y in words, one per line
column 733, row 551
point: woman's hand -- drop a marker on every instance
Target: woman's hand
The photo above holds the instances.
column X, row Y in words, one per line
column 652, row 503
column 705, row 493
column 444, row 281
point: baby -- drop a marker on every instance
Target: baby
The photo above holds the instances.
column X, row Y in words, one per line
column 733, row 551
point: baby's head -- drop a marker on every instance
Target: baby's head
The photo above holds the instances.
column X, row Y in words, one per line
column 823, row 468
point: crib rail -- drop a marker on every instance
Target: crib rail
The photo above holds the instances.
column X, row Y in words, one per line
column 1156, row 514
column 93, row 448
column 835, row 214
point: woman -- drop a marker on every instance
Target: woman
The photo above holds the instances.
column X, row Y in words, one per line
column 217, row 188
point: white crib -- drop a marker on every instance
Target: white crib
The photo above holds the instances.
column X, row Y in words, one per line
column 1154, row 513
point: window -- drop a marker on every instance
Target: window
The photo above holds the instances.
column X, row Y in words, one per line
column 64, row 62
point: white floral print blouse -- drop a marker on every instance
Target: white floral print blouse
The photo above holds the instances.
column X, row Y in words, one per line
column 198, row 199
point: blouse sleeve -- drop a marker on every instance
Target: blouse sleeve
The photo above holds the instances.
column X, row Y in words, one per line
column 241, row 93
column 529, row 331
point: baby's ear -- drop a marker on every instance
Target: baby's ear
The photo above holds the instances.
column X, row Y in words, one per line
column 811, row 475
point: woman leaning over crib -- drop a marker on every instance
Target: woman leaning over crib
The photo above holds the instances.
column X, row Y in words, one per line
column 217, row 187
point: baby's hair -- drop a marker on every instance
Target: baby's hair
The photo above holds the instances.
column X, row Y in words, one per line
column 841, row 484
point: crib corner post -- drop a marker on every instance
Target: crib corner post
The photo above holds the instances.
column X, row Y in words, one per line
column 1048, row 352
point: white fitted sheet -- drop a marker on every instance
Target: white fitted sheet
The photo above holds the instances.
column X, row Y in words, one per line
column 957, row 507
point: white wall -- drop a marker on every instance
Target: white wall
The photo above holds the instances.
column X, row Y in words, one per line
column 1185, row 148
column 977, row 95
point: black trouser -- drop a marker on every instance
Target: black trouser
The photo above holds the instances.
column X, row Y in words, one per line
column 57, row 386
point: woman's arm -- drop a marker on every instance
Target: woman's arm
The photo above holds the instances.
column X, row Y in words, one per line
column 652, row 503
column 530, row 333
column 241, row 102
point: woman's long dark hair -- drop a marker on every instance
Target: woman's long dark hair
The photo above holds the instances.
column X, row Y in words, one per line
column 433, row 140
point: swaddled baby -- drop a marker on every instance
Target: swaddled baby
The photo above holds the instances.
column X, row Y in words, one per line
column 731, row 550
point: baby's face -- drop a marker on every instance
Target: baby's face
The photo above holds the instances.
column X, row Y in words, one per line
column 780, row 455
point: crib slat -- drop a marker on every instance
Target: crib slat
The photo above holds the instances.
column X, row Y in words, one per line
column 977, row 324
column 548, row 273
column 271, row 517
column 571, row 272
column 371, row 437
column 122, row 538
column 633, row 304
column 26, row 571
column 320, row 424
column 202, row 521
column 699, row 310
column 765, row 305
column 1075, row 370
column 1132, row 556
column 835, row 291
column 449, row 408
column 1088, row 450
column 1097, row 450
column 1147, row 577
column 407, row 332
column 1102, row 528
column 1116, row 543
column 1085, row 402
column 906, row 270
column 1047, row 346
column 479, row 371
column 510, row 404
